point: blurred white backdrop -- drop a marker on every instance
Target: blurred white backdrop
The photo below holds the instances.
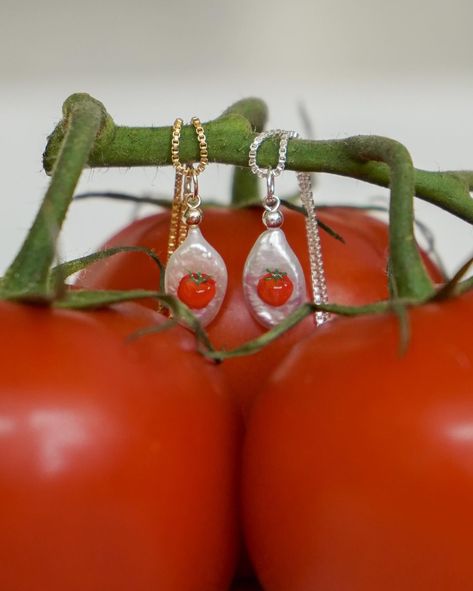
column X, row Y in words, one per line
column 404, row 70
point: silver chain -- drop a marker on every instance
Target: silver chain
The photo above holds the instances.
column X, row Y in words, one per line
column 284, row 136
column 317, row 272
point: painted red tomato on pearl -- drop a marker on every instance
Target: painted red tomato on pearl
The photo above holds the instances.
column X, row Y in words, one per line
column 196, row 290
column 275, row 287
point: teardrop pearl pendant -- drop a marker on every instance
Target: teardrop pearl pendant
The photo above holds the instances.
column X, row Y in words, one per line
column 197, row 275
column 195, row 272
column 273, row 279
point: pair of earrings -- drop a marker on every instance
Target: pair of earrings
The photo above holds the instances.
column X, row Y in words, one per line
column 273, row 279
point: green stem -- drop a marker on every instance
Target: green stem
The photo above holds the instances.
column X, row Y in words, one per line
column 246, row 185
column 254, row 110
column 297, row 316
column 408, row 272
column 28, row 274
column 245, row 188
column 230, row 136
column 162, row 201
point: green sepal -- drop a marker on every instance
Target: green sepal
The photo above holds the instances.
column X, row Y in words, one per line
column 82, row 299
column 64, row 270
column 455, row 286
column 198, row 277
column 276, row 274
column 91, row 300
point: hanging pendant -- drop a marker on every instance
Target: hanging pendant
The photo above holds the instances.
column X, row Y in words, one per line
column 273, row 280
column 197, row 275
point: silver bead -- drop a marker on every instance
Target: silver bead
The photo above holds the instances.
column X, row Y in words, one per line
column 273, row 219
column 193, row 217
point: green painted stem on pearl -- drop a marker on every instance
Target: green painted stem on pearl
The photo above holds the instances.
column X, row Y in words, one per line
column 84, row 118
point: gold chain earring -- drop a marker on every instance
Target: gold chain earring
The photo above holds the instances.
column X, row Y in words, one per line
column 195, row 271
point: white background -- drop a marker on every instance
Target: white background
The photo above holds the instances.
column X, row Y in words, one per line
column 401, row 69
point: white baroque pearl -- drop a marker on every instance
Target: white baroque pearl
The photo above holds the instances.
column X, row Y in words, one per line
column 272, row 251
column 194, row 255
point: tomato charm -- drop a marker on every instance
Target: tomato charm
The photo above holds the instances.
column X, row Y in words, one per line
column 196, row 290
column 275, row 287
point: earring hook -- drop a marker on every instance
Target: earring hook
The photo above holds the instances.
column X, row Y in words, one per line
column 284, row 137
column 186, row 169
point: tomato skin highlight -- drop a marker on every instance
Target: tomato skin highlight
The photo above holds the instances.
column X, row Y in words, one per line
column 358, row 461
column 356, row 274
column 275, row 288
column 118, row 459
column 196, row 290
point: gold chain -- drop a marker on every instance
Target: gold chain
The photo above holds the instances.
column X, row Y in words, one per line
column 178, row 228
column 176, row 215
column 204, row 152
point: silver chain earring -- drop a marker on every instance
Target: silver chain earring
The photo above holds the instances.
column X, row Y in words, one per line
column 273, row 279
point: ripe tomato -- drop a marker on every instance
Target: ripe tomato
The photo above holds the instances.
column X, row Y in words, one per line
column 118, row 459
column 358, row 464
column 196, row 290
column 356, row 274
column 275, row 287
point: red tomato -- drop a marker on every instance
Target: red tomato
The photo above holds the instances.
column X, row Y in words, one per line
column 275, row 287
column 196, row 290
column 358, row 464
column 356, row 274
column 118, row 459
